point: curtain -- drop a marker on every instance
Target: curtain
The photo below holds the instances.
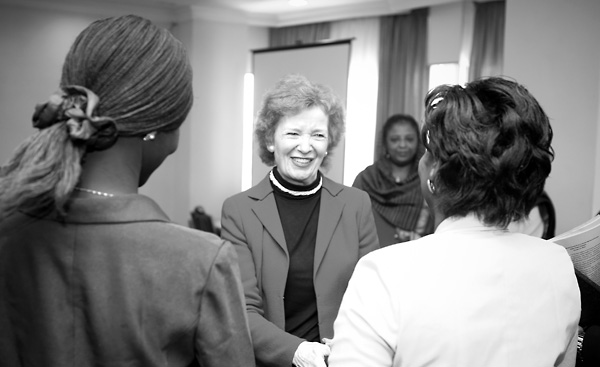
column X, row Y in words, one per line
column 403, row 70
column 295, row 35
column 361, row 103
column 487, row 52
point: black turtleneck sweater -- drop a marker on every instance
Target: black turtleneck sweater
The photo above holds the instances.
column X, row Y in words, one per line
column 299, row 217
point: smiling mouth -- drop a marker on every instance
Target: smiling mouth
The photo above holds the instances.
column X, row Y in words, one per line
column 301, row 161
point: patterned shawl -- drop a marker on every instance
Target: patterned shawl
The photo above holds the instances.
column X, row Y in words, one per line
column 399, row 204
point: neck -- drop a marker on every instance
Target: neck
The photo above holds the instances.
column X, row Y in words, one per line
column 401, row 172
column 115, row 170
column 295, row 190
column 438, row 216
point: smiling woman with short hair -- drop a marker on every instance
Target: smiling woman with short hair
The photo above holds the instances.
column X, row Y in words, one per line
column 298, row 234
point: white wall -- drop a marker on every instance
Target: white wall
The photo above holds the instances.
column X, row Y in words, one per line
column 169, row 185
column 220, row 56
column 207, row 167
column 551, row 46
column 444, row 33
column 34, row 44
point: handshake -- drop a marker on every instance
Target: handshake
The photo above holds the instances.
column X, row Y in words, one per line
column 312, row 354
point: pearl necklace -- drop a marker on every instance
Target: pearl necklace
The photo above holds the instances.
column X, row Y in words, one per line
column 292, row 192
column 100, row 193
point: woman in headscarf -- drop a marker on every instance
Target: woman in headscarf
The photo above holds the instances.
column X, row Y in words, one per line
column 392, row 182
column 472, row 293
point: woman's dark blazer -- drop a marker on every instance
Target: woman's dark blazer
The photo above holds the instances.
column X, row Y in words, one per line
column 346, row 232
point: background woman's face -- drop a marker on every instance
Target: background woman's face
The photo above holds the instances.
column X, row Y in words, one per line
column 401, row 143
column 300, row 145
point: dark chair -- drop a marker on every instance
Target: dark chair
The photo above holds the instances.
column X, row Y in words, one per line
column 202, row 221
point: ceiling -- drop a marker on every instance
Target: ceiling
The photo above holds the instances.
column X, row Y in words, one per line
column 277, row 13
column 279, row 7
column 280, row 11
column 270, row 13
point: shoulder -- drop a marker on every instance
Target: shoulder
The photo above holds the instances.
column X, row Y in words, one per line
column 352, row 198
column 407, row 258
column 371, row 168
column 404, row 250
column 552, row 252
column 256, row 192
column 368, row 171
column 192, row 244
column 187, row 257
column 389, row 266
column 235, row 200
column 342, row 191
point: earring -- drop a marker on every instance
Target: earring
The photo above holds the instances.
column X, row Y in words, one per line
column 430, row 186
column 150, row 136
column 271, row 148
column 326, row 153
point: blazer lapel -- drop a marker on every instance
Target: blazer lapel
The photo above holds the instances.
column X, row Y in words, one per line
column 329, row 217
column 265, row 209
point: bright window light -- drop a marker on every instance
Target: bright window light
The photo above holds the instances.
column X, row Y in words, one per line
column 361, row 114
column 439, row 74
column 248, row 126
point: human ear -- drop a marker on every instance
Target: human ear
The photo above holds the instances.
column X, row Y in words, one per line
column 270, row 144
column 433, row 170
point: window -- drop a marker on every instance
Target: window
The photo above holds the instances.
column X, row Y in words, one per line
column 446, row 73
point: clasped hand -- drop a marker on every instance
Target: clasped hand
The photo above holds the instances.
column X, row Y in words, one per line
column 311, row 354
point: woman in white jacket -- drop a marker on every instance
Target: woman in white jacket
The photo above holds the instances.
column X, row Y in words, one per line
column 472, row 294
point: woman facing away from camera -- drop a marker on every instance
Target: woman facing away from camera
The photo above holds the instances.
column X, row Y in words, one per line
column 297, row 233
column 393, row 185
column 472, row 293
column 91, row 272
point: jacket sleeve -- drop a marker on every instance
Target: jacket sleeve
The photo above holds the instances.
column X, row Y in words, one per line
column 368, row 239
column 222, row 334
column 569, row 359
column 272, row 345
column 364, row 331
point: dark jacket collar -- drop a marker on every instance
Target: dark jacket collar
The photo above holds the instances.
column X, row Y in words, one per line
column 118, row 209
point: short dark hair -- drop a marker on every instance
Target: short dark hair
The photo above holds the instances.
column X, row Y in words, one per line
column 291, row 95
column 492, row 141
